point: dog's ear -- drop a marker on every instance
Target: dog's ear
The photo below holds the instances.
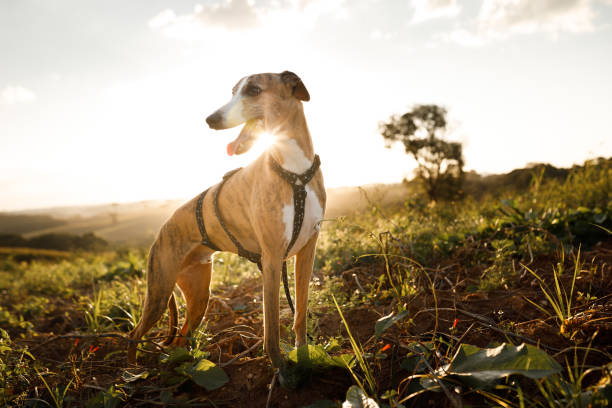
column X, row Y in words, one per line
column 297, row 86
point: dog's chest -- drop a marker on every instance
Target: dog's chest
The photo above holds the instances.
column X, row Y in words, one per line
column 313, row 213
column 296, row 161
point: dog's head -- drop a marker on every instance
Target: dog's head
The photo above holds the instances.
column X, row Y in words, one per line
column 261, row 102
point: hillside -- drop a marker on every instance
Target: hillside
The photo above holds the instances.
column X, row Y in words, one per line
column 137, row 223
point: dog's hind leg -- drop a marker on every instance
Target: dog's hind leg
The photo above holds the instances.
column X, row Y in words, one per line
column 194, row 281
column 303, row 269
column 162, row 269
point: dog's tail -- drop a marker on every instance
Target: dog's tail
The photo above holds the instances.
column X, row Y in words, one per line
column 172, row 321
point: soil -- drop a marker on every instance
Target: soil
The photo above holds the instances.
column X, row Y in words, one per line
column 234, row 320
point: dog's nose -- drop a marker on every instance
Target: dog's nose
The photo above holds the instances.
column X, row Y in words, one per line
column 214, row 120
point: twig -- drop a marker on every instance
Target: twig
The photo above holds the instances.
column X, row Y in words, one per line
column 465, row 334
column 95, row 387
column 487, row 323
column 245, row 352
column 96, row 336
column 269, row 400
column 231, row 330
column 456, row 404
column 358, row 283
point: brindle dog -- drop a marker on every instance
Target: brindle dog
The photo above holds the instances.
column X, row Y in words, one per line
column 257, row 207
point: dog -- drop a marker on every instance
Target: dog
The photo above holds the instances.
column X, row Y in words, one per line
column 256, row 206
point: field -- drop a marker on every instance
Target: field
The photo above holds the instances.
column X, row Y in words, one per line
column 501, row 299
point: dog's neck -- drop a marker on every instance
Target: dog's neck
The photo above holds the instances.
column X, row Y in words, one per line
column 293, row 148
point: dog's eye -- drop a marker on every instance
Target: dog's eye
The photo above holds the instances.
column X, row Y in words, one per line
column 253, row 90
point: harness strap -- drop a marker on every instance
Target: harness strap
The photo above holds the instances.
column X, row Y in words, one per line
column 298, row 185
column 242, row 251
column 200, row 220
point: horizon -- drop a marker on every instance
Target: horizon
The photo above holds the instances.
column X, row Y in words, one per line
column 99, row 106
column 43, row 210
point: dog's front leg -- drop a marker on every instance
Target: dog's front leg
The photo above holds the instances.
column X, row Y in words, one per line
column 303, row 270
column 271, row 276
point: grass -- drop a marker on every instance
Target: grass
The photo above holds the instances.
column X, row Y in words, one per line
column 559, row 299
column 359, row 356
column 453, row 274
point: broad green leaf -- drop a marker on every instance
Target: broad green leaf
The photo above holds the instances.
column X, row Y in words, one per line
column 315, row 357
column 483, row 366
column 413, row 364
column 387, row 321
column 177, row 355
column 308, row 359
column 357, row 398
column 206, row 374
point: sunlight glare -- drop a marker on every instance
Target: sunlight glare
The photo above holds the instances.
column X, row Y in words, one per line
column 264, row 141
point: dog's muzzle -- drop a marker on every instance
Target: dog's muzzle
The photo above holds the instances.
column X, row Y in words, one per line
column 215, row 121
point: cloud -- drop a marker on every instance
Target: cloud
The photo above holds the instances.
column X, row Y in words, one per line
column 500, row 19
column 234, row 15
column 244, row 15
column 430, row 9
column 13, row 95
column 505, row 17
column 163, row 19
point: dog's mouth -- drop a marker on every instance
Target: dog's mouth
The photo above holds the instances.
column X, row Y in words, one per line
column 246, row 138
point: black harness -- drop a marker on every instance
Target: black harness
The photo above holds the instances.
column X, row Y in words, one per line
column 298, row 184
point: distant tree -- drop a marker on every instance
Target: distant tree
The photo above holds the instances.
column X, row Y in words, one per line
column 440, row 163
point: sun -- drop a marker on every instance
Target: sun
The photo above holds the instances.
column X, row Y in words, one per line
column 264, row 141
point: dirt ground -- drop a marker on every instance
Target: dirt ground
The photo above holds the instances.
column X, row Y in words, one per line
column 234, row 321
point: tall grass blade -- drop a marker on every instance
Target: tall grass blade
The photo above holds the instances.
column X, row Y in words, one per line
column 359, row 354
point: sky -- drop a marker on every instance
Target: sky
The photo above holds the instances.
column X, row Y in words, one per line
column 105, row 101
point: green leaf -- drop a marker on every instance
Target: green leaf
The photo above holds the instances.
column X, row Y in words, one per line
column 479, row 367
column 315, row 357
column 332, row 345
column 387, row 321
column 107, row 399
column 357, row 398
column 308, row 359
column 206, row 374
column 177, row 355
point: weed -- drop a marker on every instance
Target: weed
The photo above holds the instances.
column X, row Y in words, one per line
column 560, row 300
column 360, row 357
column 57, row 393
column 94, row 318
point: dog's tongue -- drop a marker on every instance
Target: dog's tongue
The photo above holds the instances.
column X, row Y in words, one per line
column 231, row 148
column 245, row 139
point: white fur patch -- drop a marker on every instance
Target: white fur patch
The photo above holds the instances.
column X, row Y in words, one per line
column 205, row 260
column 232, row 111
column 288, row 214
column 294, row 158
column 313, row 214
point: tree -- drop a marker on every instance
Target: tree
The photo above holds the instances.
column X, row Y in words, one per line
column 422, row 131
